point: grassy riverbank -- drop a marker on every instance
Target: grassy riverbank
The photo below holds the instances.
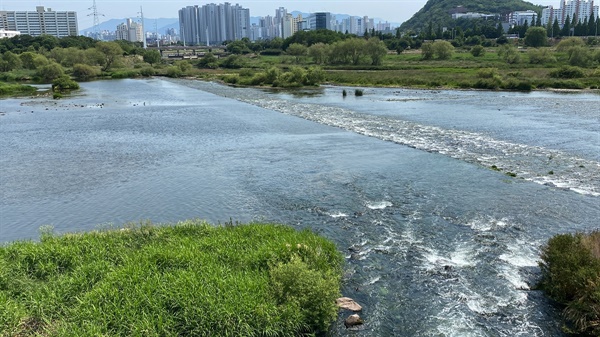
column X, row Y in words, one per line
column 190, row 279
column 571, row 276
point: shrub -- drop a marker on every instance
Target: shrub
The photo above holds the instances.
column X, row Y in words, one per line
column 233, row 62
column 84, row 71
column 540, row 56
column 568, row 72
column 520, row 85
column 443, row 50
column 358, row 92
column 569, row 42
column 509, row 54
column 64, row 83
column 50, row 71
column 488, row 73
column 427, row 51
column 147, row 71
column 174, row 72
column 477, row 51
column 314, row 76
column 570, row 265
column 579, row 56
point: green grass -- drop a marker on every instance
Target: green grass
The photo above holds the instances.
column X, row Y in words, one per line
column 189, row 279
column 13, row 89
column 570, row 265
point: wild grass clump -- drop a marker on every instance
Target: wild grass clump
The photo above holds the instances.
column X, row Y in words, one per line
column 16, row 89
column 570, row 265
column 190, row 279
column 568, row 72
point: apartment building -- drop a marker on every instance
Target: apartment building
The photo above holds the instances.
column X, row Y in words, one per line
column 130, row 31
column 582, row 9
column 40, row 22
column 212, row 24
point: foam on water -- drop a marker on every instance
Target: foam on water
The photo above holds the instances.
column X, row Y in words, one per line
column 379, row 205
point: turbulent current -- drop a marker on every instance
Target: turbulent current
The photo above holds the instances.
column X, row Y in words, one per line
column 439, row 200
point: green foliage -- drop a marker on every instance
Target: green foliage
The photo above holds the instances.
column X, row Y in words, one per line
column 10, row 61
column 237, row 47
column 427, row 51
column 208, row 61
column 174, row 72
column 541, row 56
column 536, row 37
column 64, row 83
column 297, row 51
column 233, row 62
column 50, row 71
column 15, row 89
column 185, row 280
column 147, row 71
column 579, row 56
column 435, row 12
column 570, row 265
column 84, row 71
column 568, row 72
column 111, row 52
column 319, row 52
column 509, row 54
column 569, row 42
column 152, row 56
column 477, row 51
column 442, row 50
column 358, row 92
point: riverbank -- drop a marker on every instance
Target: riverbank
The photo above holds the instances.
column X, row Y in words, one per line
column 185, row 279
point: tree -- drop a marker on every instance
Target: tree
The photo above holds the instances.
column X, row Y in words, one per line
column 296, row 50
column 208, row 61
column 376, row 50
column 51, row 71
column 319, row 52
column 152, row 56
column 427, row 51
column 111, row 51
column 536, row 37
column 509, row 53
column 443, row 50
column 555, row 28
column 10, row 61
column 566, row 30
column 478, row 51
column 237, row 47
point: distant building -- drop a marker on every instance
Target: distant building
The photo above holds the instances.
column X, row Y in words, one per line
column 40, row 22
column 130, row 31
column 213, row 24
column 582, row 9
column 4, row 34
column 472, row 15
column 519, row 18
column 322, row 20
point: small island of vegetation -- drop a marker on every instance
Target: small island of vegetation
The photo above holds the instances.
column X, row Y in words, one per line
column 190, row 279
column 570, row 265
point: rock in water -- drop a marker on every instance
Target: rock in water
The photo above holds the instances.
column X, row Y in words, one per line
column 353, row 320
column 348, row 304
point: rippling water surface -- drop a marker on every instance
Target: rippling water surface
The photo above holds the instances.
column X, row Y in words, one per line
column 437, row 242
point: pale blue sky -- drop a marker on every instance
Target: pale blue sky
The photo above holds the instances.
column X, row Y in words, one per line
column 390, row 10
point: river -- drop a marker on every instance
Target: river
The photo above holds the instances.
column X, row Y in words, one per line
column 440, row 200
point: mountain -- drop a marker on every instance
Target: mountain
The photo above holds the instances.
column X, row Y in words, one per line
column 438, row 12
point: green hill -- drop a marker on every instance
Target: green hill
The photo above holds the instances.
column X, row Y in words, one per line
column 438, row 12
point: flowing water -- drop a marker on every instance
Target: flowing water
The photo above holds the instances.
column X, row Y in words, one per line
column 437, row 242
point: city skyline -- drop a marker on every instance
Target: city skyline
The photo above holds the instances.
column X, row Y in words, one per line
column 396, row 11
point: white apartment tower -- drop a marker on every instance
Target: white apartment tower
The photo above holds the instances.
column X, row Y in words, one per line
column 582, row 9
column 130, row 31
column 213, row 24
column 40, row 22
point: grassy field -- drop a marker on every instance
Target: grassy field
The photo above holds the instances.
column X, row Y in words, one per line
column 188, row 279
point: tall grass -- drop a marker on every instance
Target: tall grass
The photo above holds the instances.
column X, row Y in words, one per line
column 190, row 279
column 571, row 275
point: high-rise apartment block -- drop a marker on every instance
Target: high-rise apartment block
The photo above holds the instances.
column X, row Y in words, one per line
column 130, row 31
column 212, row 24
column 581, row 9
column 40, row 22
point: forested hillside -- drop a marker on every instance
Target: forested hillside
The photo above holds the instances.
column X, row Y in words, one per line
column 438, row 12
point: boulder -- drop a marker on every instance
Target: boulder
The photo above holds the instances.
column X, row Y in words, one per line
column 353, row 320
column 348, row 304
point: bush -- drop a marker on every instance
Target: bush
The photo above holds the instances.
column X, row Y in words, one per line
column 174, row 72
column 520, row 85
column 566, row 44
column 233, row 62
column 568, row 72
column 509, row 54
column 84, row 71
column 488, row 73
column 50, row 71
column 579, row 56
column 477, row 51
column 358, row 92
column 570, row 265
column 64, row 83
column 147, row 71
column 540, row 56
column 443, row 50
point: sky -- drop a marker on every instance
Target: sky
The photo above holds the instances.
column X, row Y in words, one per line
column 396, row 11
